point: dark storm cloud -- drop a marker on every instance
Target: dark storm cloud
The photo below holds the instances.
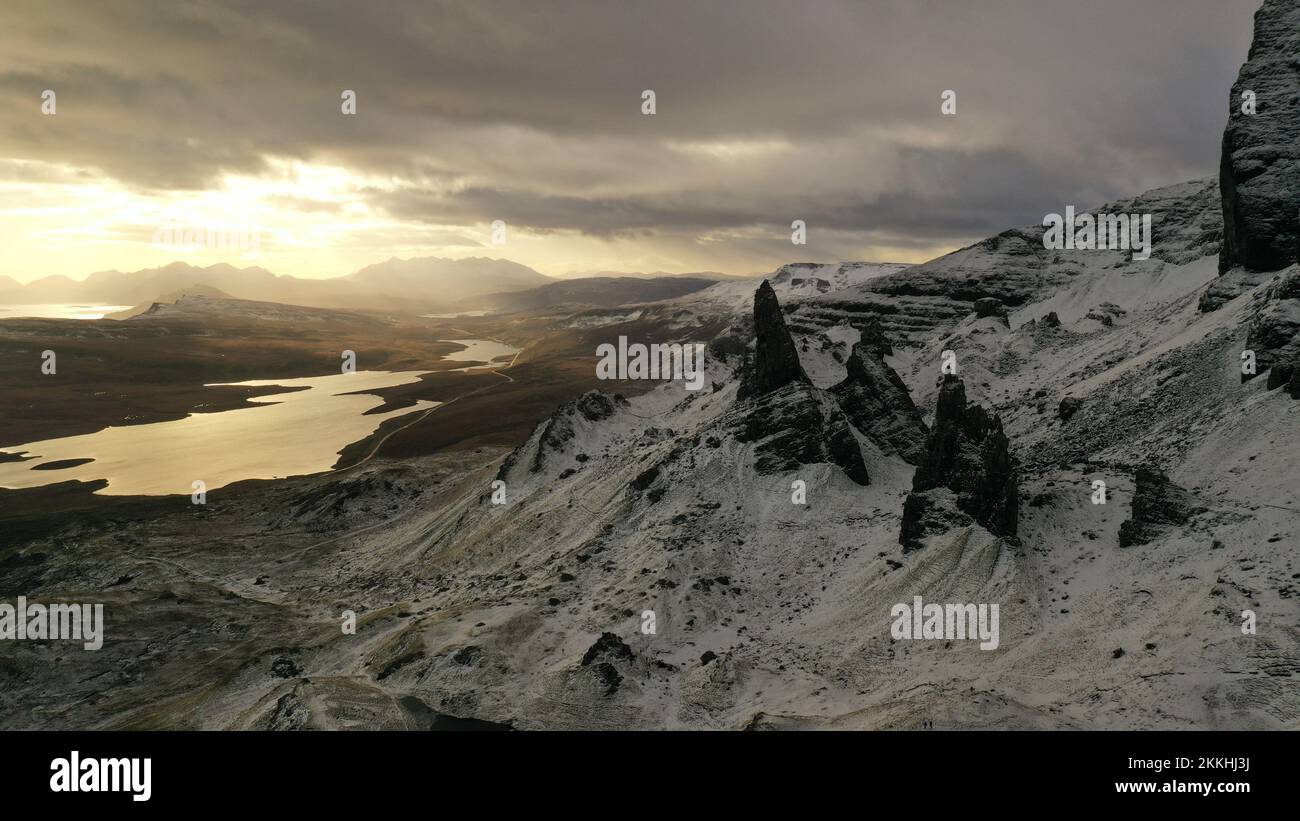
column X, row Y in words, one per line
column 530, row 111
column 957, row 193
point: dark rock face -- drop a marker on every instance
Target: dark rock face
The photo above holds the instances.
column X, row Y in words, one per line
column 1158, row 504
column 600, row 656
column 1286, row 375
column 777, row 407
column 872, row 335
column 876, row 401
column 1228, row 287
column 1052, row 320
column 551, row 436
column 595, row 406
column 1013, row 267
column 284, row 667
column 645, row 478
column 1274, row 335
column 989, row 306
column 927, row 513
column 794, row 426
column 606, row 648
column 1068, row 407
column 776, row 360
column 592, row 406
column 966, row 453
column 1259, row 169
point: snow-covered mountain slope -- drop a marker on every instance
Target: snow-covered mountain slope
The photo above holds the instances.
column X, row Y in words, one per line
column 768, row 612
column 684, row 507
column 772, row 613
column 1098, row 466
column 792, row 282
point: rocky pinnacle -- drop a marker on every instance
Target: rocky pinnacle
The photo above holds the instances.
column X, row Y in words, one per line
column 877, row 402
column 776, row 360
column 967, row 454
column 1259, row 170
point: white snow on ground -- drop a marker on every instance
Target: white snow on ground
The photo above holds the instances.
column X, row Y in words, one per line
column 795, row 600
column 823, row 355
column 1133, row 286
column 792, row 282
column 601, row 320
column 774, row 614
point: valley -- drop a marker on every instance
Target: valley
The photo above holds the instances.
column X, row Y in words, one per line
column 1035, row 478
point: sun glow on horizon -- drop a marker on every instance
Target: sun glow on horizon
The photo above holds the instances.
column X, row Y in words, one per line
column 315, row 220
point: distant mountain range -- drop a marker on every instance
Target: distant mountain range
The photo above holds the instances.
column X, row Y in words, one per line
column 410, row 285
column 446, row 280
column 255, row 283
column 602, row 292
column 714, row 275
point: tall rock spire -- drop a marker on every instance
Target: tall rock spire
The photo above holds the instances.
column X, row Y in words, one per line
column 776, row 360
column 967, row 453
column 790, row 422
column 1259, row 170
column 876, row 401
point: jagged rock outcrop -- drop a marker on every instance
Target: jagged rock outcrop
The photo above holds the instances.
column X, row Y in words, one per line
column 776, row 359
column 1016, row 254
column 1274, row 335
column 602, row 656
column 1227, row 287
column 609, row 647
column 592, row 406
column 1259, row 169
column 990, row 306
column 872, row 335
column 927, row 513
column 791, row 422
column 1158, row 505
column 796, row 425
column 553, row 435
column 876, row 401
column 1013, row 267
column 966, row 454
column 1106, row 313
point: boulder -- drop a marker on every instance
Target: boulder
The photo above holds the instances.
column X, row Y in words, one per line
column 1158, row 505
column 1068, row 407
column 990, row 306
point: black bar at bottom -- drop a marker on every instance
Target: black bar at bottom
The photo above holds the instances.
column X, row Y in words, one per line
column 332, row 771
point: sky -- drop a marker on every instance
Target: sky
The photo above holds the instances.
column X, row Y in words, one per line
column 214, row 131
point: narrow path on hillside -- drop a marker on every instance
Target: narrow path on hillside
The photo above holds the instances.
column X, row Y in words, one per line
column 380, row 444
